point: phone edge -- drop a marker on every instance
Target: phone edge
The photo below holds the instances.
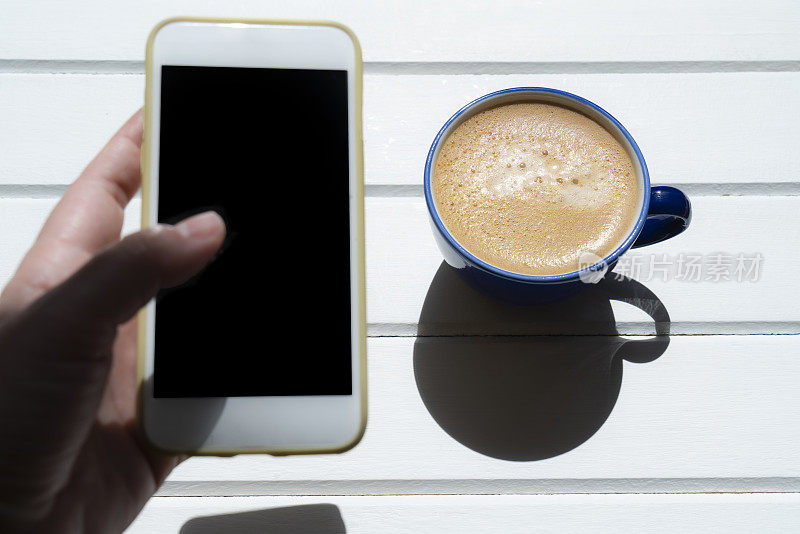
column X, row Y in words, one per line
column 141, row 337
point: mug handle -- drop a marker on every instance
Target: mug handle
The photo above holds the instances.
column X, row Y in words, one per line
column 670, row 214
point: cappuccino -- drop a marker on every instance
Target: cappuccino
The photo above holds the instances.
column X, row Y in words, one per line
column 529, row 187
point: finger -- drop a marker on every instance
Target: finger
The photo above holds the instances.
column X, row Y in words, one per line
column 118, row 405
column 56, row 353
column 87, row 218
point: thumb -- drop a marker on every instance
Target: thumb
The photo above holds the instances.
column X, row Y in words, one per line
column 56, row 353
column 114, row 285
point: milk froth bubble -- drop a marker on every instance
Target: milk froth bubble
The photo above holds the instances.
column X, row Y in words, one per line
column 529, row 187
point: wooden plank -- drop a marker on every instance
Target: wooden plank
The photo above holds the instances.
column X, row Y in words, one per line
column 52, row 126
column 712, row 413
column 685, row 124
column 509, row 514
column 574, row 30
column 403, row 262
column 693, row 128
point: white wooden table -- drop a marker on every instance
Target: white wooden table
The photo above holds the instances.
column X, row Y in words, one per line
column 704, row 438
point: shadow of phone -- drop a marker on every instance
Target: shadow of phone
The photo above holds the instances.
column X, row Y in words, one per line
column 525, row 383
column 306, row 519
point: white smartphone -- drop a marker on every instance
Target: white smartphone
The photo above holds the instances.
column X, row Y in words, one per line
column 264, row 351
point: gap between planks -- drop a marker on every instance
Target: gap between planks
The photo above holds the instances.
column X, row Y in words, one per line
column 54, row 191
column 56, row 66
column 627, row 329
column 231, row 488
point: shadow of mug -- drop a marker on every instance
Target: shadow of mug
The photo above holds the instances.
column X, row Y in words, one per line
column 525, row 383
column 306, row 519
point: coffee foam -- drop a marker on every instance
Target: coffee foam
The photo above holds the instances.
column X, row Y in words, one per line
column 529, row 187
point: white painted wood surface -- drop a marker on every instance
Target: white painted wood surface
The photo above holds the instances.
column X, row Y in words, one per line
column 403, row 260
column 509, row 514
column 708, row 90
column 683, row 122
column 474, row 30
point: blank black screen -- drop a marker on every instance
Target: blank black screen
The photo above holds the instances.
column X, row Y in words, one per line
column 268, row 150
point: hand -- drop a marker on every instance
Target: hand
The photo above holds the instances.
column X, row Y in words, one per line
column 70, row 456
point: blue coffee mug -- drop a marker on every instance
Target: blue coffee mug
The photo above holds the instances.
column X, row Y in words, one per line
column 664, row 211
